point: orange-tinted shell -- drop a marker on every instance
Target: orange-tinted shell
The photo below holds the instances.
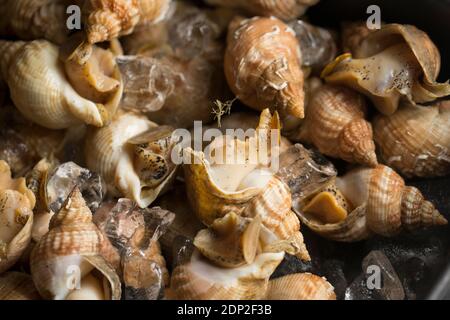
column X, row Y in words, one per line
column 200, row 280
column 300, row 286
column 384, row 206
column 109, row 19
column 283, row 9
column 335, row 123
column 17, row 286
column 263, row 65
column 72, row 241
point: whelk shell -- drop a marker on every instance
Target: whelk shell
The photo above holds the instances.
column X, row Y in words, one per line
column 75, row 253
column 52, row 183
column 263, row 65
column 109, row 19
column 200, row 280
column 415, row 140
column 17, row 286
column 230, row 241
column 283, row 9
column 16, row 217
column 394, row 62
column 300, row 286
column 133, row 155
column 31, row 19
column 383, row 206
column 237, row 183
column 353, row 33
column 41, row 91
column 335, row 123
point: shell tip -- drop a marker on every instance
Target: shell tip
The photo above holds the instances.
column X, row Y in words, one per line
column 440, row 219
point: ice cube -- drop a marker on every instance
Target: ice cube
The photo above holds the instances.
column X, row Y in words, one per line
column 126, row 219
column 182, row 251
column 358, row 290
column 304, row 171
column 192, row 34
column 143, row 278
column 381, row 277
column 413, row 274
column 316, row 44
column 147, row 82
column 63, row 179
column 135, row 233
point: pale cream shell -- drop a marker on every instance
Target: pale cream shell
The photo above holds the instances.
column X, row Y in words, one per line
column 415, row 140
column 200, row 280
column 42, row 92
column 108, row 153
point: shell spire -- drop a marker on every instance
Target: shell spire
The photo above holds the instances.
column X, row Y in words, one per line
column 263, row 65
column 199, row 279
column 74, row 244
column 377, row 201
column 418, row 212
column 109, row 19
column 392, row 206
column 74, row 210
column 335, row 123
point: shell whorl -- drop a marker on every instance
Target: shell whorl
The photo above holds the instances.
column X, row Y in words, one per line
column 273, row 204
column 153, row 11
column 73, row 211
column 392, row 206
column 198, row 279
column 335, row 124
column 383, row 205
column 107, row 19
column 8, row 50
column 300, row 286
column 262, row 65
column 110, row 152
column 41, row 91
column 72, row 241
column 384, row 201
column 415, row 140
column 417, row 212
